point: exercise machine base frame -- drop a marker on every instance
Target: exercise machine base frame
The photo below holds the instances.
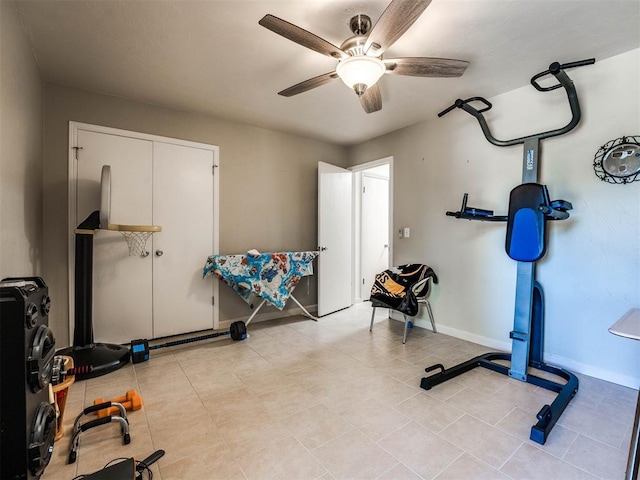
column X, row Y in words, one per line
column 548, row 414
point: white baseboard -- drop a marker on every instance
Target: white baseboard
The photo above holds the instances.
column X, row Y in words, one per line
column 263, row 317
column 593, row 371
column 551, row 359
column 500, row 345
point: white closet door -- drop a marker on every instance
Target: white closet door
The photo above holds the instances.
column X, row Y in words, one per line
column 183, row 206
column 122, row 292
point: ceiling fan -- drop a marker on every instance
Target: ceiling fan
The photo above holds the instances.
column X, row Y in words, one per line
column 360, row 62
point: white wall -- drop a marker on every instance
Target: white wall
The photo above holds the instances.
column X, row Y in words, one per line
column 20, row 150
column 591, row 273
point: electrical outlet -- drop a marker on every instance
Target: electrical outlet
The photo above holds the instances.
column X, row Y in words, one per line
column 404, row 232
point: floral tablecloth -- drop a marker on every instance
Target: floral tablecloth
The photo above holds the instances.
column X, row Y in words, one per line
column 271, row 276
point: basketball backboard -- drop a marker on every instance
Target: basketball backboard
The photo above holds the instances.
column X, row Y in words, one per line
column 135, row 235
column 105, row 197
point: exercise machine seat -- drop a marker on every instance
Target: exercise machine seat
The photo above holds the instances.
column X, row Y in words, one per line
column 526, row 225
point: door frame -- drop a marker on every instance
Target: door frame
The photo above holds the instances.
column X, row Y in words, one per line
column 74, row 127
column 357, row 203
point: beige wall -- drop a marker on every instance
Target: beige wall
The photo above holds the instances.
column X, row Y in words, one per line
column 591, row 274
column 20, row 150
column 268, row 184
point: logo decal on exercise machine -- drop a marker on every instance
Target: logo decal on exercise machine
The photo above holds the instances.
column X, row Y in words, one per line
column 529, row 159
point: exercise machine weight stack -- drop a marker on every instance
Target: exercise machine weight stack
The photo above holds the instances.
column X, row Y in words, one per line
column 529, row 210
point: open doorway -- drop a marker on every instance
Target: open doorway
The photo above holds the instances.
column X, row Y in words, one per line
column 373, row 248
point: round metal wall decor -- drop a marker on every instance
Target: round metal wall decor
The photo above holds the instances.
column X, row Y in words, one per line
column 618, row 161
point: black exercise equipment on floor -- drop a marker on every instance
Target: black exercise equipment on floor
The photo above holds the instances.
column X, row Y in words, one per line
column 79, row 427
column 529, row 209
column 140, row 348
column 126, row 469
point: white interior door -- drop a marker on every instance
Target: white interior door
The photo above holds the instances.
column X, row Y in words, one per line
column 334, row 238
column 183, row 199
column 374, row 230
column 122, row 292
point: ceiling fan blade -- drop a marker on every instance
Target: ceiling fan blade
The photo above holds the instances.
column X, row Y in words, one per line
column 426, row 66
column 371, row 100
column 308, row 84
column 394, row 21
column 301, row 36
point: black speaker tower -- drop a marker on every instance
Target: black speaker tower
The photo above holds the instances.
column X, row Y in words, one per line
column 27, row 348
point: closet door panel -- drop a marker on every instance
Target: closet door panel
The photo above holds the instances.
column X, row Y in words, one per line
column 122, row 290
column 183, row 206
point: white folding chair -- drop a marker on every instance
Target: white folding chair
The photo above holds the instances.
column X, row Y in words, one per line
column 421, row 290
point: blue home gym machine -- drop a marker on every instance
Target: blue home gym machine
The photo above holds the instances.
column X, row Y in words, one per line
column 526, row 242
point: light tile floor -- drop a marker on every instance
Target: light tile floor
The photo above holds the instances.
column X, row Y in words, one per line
column 330, row 400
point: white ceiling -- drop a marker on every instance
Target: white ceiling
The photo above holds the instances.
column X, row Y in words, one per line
column 211, row 57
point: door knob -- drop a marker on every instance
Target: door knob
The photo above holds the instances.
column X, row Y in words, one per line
column 322, row 249
column 159, row 253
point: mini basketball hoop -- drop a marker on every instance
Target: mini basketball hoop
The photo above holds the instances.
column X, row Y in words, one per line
column 136, row 236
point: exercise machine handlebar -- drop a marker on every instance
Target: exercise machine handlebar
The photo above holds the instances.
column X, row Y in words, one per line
column 551, row 209
column 459, row 104
column 554, row 69
column 557, row 70
column 470, row 213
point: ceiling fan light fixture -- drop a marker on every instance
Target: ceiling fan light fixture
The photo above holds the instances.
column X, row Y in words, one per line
column 360, row 64
column 360, row 70
column 359, row 88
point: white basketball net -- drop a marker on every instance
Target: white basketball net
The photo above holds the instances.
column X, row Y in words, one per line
column 137, row 242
